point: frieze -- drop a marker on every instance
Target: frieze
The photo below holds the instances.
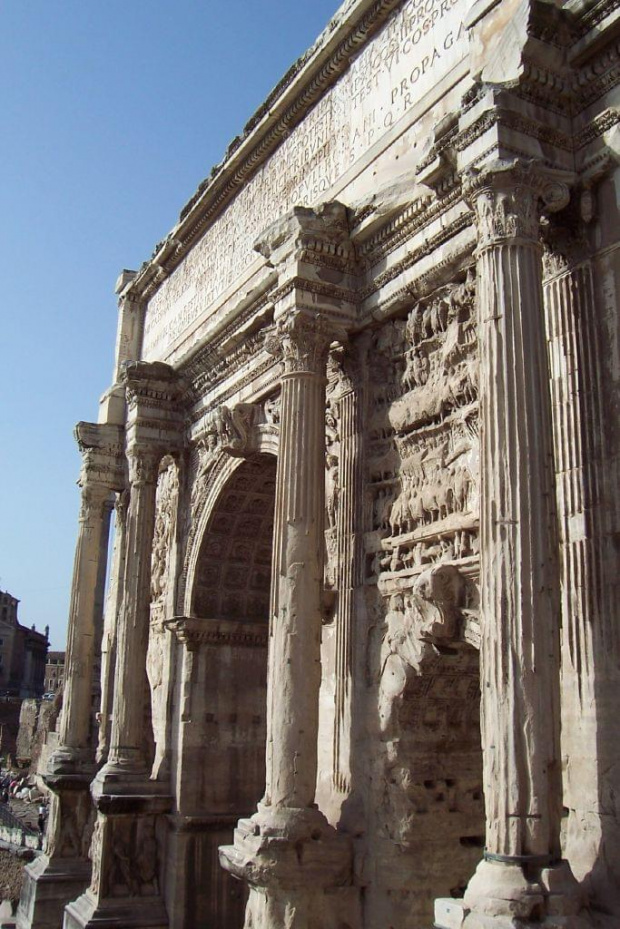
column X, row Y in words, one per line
column 423, row 437
column 332, row 291
column 257, row 372
column 595, row 15
column 103, row 455
column 598, row 127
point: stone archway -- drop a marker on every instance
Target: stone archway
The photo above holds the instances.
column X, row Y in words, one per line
column 221, row 692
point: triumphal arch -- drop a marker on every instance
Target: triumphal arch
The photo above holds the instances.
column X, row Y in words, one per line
column 359, row 657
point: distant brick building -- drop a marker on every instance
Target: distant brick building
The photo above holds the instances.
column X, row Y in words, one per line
column 54, row 672
column 23, row 653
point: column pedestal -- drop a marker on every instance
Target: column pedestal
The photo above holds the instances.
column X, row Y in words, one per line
column 124, row 889
column 297, row 866
column 59, row 875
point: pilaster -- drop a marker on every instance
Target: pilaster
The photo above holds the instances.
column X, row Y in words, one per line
column 110, row 624
column 522, row 875
column 297, row 865
column 584, row 492
column 348, row 505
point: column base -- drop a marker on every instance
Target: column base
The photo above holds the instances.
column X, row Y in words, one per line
column 276, row 908
column 117, row 781
column 49, row 884
column 140, row 912
column 299, row 869
column 502, row 895
column 66, row 764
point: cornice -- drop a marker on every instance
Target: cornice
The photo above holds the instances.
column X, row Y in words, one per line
column 590, row 14
column 194, row 632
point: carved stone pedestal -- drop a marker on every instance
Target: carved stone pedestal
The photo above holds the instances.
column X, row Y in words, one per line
column 298, row 869
column 47, row 887
column 64, row 870
column 125, row 889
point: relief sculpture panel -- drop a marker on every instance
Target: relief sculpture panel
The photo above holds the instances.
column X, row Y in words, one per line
column 421, row 582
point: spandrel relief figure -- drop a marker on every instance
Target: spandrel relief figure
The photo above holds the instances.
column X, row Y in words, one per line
column 414, row 624
column 272, row 411
column 208, row 447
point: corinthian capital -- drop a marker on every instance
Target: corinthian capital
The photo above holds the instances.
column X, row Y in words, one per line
column 101, row 446
column 94, row 498
column 143, row 464
column 302, row 341
column 509, row 197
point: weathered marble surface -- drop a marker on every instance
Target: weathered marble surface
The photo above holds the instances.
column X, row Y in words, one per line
column 361, row 633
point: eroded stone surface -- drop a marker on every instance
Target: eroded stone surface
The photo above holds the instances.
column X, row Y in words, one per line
column 361, row 630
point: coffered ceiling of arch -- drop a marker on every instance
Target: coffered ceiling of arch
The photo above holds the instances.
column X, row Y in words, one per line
column 233, row 573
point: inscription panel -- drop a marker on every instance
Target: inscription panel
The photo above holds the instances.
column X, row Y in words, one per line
column 421, row 44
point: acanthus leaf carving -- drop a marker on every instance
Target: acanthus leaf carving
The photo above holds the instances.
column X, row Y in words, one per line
column 302, row 341
column 509, row 197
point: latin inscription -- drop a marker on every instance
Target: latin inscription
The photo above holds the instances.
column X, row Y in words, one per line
column 413, row 51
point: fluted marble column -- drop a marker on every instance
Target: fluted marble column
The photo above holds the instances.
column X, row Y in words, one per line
column 112, row 609
column 298, row 867
column 76, row 749
column 295, row 659
column 74, row 741
column 63, row 871
column 288, row 852
column 521, row 875
column 126, row 754
column 127, row 799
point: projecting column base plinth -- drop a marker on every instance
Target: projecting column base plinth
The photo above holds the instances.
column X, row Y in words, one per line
column 124, row 892
column 136, row 913
column 299, row 870
column 63, row 872
column 510, row 895
column 47, row 888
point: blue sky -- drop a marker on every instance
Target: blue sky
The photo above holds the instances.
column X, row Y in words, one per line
column 112, row 113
